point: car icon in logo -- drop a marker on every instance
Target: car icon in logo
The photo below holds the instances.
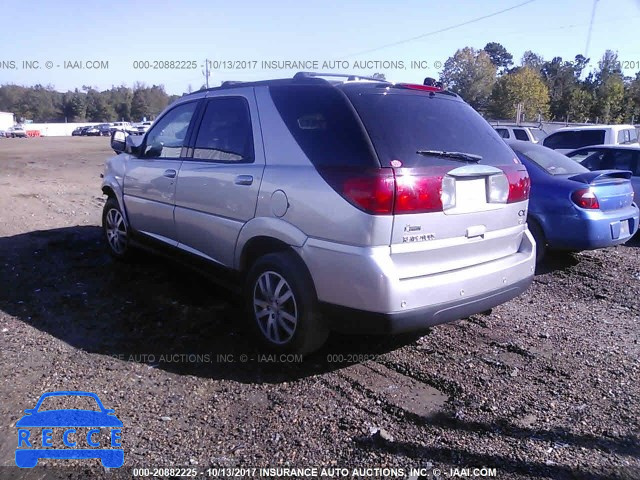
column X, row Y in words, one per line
column 69, row 439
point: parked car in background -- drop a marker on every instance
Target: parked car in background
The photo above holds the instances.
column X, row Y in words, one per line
column 143, row 127
column 603, row 157
column 3, row 134
column 572, row 208
column 77, row 131
column 517, row 132
column 104, row 129
column 570, row 138
column 91, row 131
column 122, row 126
column 17, row 132
column 361, row 206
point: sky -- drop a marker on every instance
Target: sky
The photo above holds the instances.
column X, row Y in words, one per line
column 55, row 43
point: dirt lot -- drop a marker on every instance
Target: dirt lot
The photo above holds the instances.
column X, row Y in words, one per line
column 547, row 386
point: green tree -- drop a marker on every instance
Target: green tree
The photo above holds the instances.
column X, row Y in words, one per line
column 532, row 60
column 499, row 56
column 75, row 106
column 471, row 74
column 607, row 84
column 98, row 107
column 524, row 86
column 148, row 102
column 579, row 105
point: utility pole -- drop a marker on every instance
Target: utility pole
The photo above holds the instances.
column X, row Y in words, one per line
column 206, row 72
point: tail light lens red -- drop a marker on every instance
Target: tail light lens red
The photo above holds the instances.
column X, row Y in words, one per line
column 372, row 193
column 585, row 198
column 519, row 183
column 388, row 191
column 418, row 194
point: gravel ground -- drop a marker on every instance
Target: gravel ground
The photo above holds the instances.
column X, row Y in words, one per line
column 546, row 386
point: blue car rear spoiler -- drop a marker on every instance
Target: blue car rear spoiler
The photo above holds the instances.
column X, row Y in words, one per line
column 592, row 177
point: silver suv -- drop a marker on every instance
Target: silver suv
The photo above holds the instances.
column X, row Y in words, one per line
column 359, row 205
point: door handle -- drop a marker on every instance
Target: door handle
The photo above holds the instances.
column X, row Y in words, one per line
column 169, row 173
column 244, row 180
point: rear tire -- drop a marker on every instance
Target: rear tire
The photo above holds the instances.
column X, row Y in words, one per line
column 281, row 304
column 538, row 236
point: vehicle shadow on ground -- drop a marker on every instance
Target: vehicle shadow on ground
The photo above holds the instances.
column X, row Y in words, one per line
column 555, row 439
column 556, row 260
column 63, row 282
column 634, row 242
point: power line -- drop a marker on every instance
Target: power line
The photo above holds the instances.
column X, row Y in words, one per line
column 446, row 29
column 593, row 16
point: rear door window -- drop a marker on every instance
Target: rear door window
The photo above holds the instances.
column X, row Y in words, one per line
column 402, row 123
column 520, row 134
column 324, row 125
column 225, row 133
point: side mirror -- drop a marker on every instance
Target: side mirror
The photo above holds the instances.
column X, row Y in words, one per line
column 119, row 141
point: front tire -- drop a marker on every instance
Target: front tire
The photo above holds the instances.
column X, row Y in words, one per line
column 282, row 306
column 116, row 230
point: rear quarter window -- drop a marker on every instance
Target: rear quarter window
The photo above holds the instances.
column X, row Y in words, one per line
column 324, row 125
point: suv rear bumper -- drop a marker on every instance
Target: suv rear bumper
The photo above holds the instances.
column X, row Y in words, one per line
column 350, row 320
column 361, row 289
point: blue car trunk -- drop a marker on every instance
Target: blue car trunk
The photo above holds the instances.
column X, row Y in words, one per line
column 611, row 187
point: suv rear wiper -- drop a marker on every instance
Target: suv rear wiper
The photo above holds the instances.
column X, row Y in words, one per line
column 467, row 157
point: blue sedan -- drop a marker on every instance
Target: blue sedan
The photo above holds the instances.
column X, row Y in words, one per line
column 572, row 208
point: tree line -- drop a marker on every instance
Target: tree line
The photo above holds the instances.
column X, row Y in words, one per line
column 45, row 104
column 553, row 89
column 486, row 78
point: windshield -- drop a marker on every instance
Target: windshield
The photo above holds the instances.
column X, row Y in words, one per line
column 64, row 402
column 402, row 124
column 549, row 160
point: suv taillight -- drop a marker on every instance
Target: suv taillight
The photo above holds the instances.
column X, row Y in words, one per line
column 418, row 193
column 519, row 183
column 389, row 191
column 585, row 198
column 384, row 191
column 372, row 192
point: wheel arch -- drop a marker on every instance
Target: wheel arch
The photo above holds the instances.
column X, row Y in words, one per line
column 266, row 235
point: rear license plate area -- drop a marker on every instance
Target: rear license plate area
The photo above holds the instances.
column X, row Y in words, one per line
column 620, row 229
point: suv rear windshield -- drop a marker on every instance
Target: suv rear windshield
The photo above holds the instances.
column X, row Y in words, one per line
column 324, row 125
column 400, row 124
column 574, row 139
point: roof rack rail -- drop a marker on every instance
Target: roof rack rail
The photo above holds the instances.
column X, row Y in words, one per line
column 350, row 77
column 226, row 83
